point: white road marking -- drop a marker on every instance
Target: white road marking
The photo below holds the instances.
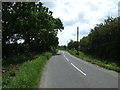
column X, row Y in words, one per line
column 74, row 66
column 78, row 69
column 65, row 57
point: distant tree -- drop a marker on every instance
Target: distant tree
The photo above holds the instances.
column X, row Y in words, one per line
column 70, row 44
column 65, row 47
column 73, row 45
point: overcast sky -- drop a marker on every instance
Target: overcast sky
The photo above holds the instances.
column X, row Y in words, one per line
column 84, row 14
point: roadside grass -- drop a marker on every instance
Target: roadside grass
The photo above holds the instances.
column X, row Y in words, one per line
column 95, row 60
column 26, row 75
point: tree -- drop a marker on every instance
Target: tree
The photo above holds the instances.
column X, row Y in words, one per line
column 104, row 40
column 31, row 22
column 73, row 45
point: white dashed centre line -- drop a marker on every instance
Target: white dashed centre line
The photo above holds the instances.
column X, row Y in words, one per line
column 74, row 66
column 65, row 57
column 78, row 69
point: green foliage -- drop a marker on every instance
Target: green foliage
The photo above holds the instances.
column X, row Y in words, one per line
column 53, row 50
column 104, row 40
column 62, row 47
column 27, row 75
column 31, row 22
column 73, row 44
column 17, row 59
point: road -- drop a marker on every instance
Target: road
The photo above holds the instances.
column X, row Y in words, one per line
column 66, row 71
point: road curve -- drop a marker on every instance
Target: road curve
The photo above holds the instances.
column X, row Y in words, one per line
column 66, row 71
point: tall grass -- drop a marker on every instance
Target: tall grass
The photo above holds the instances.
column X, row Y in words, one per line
column 27, row 75
column 95, row 60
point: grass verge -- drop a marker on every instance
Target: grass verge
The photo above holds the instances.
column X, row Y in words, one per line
column 27, row 75
column 94, row 60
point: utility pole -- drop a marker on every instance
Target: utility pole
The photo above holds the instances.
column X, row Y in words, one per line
column 78, row 40
column 77, row 34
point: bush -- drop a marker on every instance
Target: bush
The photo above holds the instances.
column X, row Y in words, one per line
column 16, row 59
column 53, row 50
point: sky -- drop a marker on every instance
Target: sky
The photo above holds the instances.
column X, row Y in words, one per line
column 84, row 14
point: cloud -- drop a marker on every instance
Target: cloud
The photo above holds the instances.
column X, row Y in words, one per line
column 84, row 32
column 73, row 34
column 119, row 8
column 51, row 5
column 84, row 14
column 70, row 22
column 92, row 6
column 82, row 18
